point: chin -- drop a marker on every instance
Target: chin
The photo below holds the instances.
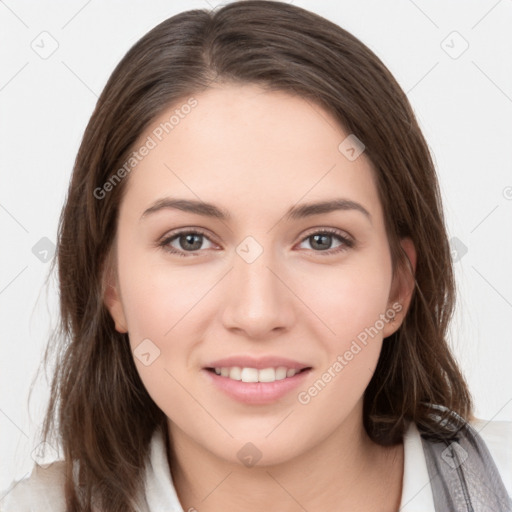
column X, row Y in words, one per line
column 261, row 450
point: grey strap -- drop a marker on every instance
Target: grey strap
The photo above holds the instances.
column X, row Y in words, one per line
column 463, row 474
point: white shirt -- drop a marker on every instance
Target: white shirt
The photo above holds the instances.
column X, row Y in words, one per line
column 42, row 491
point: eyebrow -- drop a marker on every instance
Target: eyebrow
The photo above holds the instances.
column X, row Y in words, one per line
column 293, row 213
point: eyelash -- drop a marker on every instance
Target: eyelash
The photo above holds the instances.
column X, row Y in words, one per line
column 347, row 243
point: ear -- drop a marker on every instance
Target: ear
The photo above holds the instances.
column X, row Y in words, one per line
column 112, row 296
column 402, row 288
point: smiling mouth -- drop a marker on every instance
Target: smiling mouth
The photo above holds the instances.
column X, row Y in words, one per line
column 247, row 374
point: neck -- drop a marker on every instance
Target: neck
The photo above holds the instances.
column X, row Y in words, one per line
column 347, row 471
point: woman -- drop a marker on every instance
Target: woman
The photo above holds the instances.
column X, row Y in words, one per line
column 295, row 352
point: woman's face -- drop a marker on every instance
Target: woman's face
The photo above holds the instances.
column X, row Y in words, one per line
column 252, row 280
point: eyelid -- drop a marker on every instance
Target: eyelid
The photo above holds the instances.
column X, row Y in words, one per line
column 189, row 229
column 335, row 231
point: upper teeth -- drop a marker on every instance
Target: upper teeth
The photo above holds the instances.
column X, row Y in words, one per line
column 255, row 375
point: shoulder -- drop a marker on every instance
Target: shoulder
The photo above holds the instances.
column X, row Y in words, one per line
column 497, row 436
column 41, row 491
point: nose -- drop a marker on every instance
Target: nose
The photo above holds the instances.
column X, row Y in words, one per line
column 259, row 302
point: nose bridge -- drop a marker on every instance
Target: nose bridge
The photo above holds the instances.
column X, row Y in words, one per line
column 258, row 300
column 254, row 279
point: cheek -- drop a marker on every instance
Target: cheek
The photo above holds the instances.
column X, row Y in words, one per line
column 352, row 310
column 349, row 298
column 156, row 297
column 159, row 305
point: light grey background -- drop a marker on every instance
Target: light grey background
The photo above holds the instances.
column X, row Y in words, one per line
column 462, row 98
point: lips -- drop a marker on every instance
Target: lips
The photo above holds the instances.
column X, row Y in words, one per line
column 254, row 380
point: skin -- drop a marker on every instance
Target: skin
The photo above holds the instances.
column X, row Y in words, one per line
column 256, row 153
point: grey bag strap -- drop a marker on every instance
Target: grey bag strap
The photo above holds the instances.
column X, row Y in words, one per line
column 463, row 474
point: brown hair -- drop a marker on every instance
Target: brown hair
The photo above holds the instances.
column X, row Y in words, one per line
column 99, row 410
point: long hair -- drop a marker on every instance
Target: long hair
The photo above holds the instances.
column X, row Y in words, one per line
column 99, row 410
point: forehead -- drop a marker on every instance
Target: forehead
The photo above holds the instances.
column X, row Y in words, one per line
column 245, row 148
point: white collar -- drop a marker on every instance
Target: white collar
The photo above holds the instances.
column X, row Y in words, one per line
column 416, row 489
column 160, row 491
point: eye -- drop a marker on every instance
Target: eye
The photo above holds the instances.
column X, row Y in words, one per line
column 191, row 241
column 323, row 239
column 186, row 241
